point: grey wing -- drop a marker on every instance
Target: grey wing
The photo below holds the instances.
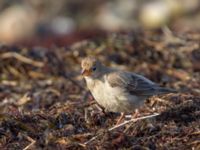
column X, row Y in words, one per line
column 134, row 84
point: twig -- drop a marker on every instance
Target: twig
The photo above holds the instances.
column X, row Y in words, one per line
column 170, row 37
column 31, row 144
column 132, row 120
column 122, row 124
column 22, row 59
column 92, row 139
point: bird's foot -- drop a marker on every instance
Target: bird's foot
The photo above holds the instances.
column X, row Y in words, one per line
column 136, row 114
column 120, row 119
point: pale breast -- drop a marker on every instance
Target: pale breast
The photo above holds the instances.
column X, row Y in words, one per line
column 112, row 99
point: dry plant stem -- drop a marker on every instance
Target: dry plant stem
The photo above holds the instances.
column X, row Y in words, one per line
column 122, row 124
column 31, row 144
column 170, row 37
column 22, row 59
column 132, row 120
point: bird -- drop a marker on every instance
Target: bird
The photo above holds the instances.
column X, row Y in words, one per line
column 116, row 90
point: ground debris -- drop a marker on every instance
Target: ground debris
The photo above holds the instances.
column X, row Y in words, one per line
column 44, row 105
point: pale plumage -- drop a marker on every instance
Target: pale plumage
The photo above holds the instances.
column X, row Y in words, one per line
column 118, row 91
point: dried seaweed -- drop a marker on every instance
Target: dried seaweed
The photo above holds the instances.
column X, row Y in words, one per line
column 45, row 105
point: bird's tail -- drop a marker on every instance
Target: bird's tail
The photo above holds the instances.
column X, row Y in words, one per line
column 163, row 90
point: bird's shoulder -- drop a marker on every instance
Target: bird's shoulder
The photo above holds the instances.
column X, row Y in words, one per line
column 118, row 78
column 130, row 82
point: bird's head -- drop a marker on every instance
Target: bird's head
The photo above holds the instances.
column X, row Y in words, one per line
column 91, row 67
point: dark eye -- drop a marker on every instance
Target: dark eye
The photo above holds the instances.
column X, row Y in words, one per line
column 94, row 68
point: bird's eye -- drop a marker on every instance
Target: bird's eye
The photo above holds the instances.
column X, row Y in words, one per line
column 94, row 68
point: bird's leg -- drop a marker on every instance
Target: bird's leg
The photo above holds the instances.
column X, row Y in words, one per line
column 120, row 118
column 136, row 114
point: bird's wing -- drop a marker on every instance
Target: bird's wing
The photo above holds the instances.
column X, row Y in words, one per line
column 132, row 83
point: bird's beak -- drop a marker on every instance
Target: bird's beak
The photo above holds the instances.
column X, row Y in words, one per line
column 86, row 72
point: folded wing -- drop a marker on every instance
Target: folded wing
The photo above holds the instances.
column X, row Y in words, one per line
column 135, row 84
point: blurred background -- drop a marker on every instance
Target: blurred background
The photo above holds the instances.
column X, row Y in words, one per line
column 44, row 102
column 32, row 21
